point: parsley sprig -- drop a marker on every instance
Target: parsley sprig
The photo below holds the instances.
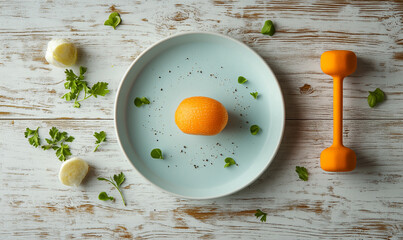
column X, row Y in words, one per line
column 101, row 137
column 76, row 85
column 261, row 214
column 57, row 143
column 116, row 181
column 34, row 140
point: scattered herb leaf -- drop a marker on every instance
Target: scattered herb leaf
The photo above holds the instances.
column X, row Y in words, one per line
column 229, row 161
column 254, row 94
column 116, row 181
column 138, row 102
column 302, row 173
column 261, row 214
column 242, row 80
column 157, row 153
column 34, row 140
column 76, row 85
column 268, row 28
column 375, row 97
column 254, row 129
column 104, row 197
column 144, row 100
column 101, row 137
column 380, row 95
column 113, row 20
column 57, row 137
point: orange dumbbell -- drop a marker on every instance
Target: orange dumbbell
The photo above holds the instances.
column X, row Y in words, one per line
column 338, row 64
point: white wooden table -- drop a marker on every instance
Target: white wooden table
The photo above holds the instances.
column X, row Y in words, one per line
column 364, row 204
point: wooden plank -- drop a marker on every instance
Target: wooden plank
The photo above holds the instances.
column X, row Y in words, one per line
column 364, row 204
column 373, row 29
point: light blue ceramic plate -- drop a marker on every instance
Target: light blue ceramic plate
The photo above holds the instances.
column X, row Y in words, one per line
column 199, row 64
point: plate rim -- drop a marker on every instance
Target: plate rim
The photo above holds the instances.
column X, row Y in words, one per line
column 216, row 35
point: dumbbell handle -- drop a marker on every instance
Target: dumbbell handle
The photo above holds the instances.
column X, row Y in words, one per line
column 337, row 111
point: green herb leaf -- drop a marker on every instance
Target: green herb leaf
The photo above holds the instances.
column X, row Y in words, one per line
column 261, row 214
column 380, row 95
column 372, row 99
column 100, row 88
column 76, row 85
column 144, row 100
column 82, row 71
column 254, row 129
column 242, row 80
column 302, row 173
column 138, row 102
column 104, row 197
column 62, row 152
column 57, row 143
column 114, row 20
column 268, row 28
column 254, row 94
column 156, row 153
column 116, row 181
column 76, row 104
column 119, row 179
column 375, row 97
column 34, row 140
column 229, row 161
column 101, row 137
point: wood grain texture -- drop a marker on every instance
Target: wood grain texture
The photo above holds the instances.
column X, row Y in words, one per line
column 364, row 204
column 305, row 29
